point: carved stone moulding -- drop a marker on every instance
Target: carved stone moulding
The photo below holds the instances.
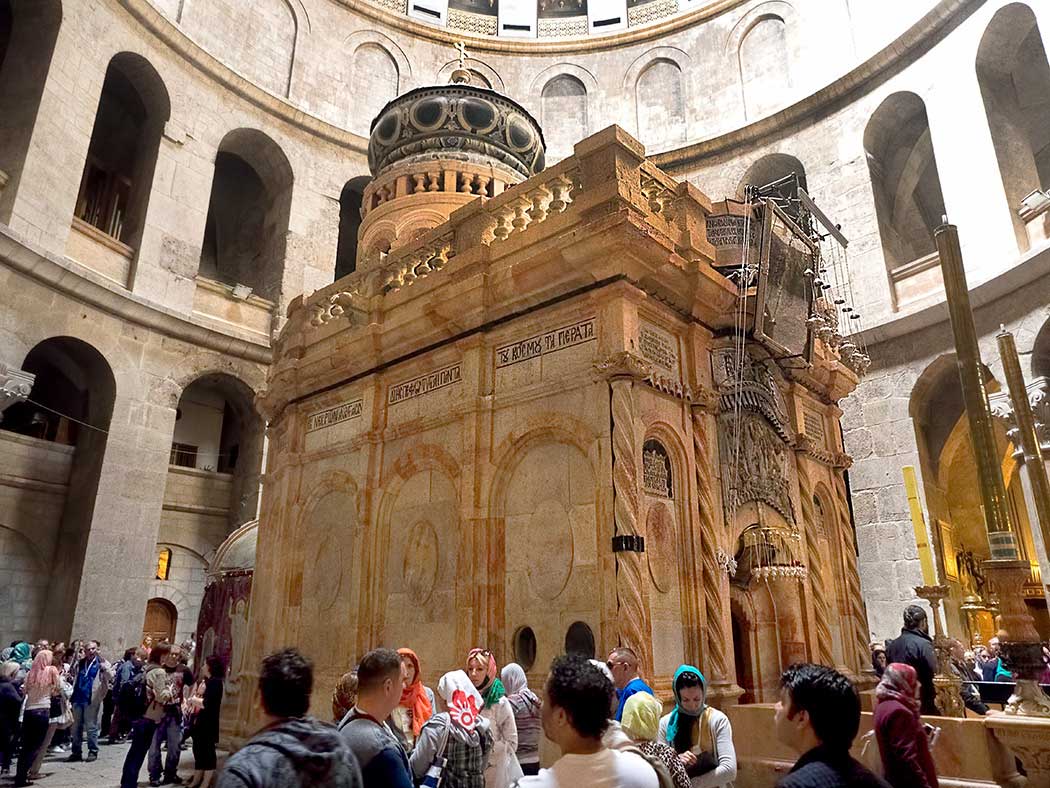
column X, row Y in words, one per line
column 15, row 386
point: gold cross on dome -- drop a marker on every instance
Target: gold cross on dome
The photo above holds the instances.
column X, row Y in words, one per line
column 463, row 54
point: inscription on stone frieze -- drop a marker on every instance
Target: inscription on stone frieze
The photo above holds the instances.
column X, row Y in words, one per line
column 542, row 344
column 424, row 384
column 725, row 230
column 656, row 469
column 658, row 346
column 331, row 416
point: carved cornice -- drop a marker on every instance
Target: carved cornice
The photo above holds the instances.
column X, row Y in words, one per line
column 624, row 364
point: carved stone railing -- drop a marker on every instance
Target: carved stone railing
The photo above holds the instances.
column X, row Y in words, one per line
column 432, row 177
column 546, row 195
column 608, row 168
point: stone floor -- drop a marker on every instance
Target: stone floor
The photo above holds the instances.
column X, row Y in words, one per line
column 56, row 773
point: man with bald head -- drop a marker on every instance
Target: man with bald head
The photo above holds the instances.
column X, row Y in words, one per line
column 623, row 664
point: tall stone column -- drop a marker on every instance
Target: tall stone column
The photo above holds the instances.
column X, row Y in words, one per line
column 717, row 635
column 633, row 629
column 1006, row 572
column 822, row 650
column 15, row 386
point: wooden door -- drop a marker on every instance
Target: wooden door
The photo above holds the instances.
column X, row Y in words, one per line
column 161, row 618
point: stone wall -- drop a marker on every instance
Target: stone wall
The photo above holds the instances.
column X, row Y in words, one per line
column 34, row 477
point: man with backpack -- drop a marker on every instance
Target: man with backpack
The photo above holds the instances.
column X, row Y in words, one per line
column 147, row 695
column 124, row 712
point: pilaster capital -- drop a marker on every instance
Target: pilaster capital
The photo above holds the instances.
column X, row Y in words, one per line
column 1002, row 408
column 624, row 365
column 15, row 385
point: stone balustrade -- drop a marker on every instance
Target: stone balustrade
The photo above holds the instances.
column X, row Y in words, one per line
column 610, row 166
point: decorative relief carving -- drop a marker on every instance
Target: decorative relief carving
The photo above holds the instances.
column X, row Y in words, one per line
column 1039, row 398
column 650, row 12
column 15, row 386
column 573, row 27
column 752, row 388
column 624, row 364
column 761, row 464
column 404, row 271
column 551, row 525
column 477, row 24
column 660, row 546
column 656, row 470
column 421, row 559
column 726, row 562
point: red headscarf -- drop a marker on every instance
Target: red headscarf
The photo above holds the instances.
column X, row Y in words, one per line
column 414, row 696
column 900, row 683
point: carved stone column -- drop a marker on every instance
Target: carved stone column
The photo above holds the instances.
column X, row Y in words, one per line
column 818, row 583
column 15, row 386
column 623, row 369
column 717, row 637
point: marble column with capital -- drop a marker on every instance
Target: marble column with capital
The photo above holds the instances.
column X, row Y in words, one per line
column 1038, row 395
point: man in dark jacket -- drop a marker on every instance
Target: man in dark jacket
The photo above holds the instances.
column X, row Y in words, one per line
column 380, row 680
column 818, row 716
column 968, row 690
column 914, row 647
column 292, row 750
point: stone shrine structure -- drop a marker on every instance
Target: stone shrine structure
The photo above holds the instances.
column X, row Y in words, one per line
column 513, row 426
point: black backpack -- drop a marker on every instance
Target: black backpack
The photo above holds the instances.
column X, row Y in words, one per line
column 133, row 696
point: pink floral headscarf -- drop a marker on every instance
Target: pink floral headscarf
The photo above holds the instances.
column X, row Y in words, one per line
column 900, row 682
column 462, row 699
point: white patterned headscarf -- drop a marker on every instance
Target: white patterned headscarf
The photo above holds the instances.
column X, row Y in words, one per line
column 462, row 699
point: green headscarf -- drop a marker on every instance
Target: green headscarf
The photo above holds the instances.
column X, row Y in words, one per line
column 672, row 724
column 23, row 655
column 493, row 692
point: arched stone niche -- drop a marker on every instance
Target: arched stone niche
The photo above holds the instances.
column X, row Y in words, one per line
column 419, row 563
column 550, row 541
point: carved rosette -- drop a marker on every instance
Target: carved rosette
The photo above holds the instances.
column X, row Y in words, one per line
column 623, row 370
column 716, row 591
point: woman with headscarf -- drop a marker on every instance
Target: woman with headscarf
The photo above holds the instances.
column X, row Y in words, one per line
column 465, row 732
column 526, row 707
column 344, row 697
column 10, row 706
column 42, row 684
column 905, row 749
column 417, row 701
column 503, row 768
column 878, row 658
column 641, row 721
column 700, row 734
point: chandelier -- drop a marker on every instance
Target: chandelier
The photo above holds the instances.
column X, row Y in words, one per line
column 771, row 553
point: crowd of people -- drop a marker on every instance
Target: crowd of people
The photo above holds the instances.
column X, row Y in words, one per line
column 479, row 727
column 484, row 727
column 56, row 697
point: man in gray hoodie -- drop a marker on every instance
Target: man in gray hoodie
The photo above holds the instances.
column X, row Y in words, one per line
column 292, row 750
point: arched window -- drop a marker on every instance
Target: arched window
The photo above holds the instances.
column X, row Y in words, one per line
column 771, row 168
column 907, row 191
column 71, row 403
column 118, row 175
column 660, row 99
column 163, row 563
column 28, row 31
column 1014, row 76
column 563, row 114
column 248, row 212
column 349, row 224
column 218, row 430
column 765, row 75
column 373, row 84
